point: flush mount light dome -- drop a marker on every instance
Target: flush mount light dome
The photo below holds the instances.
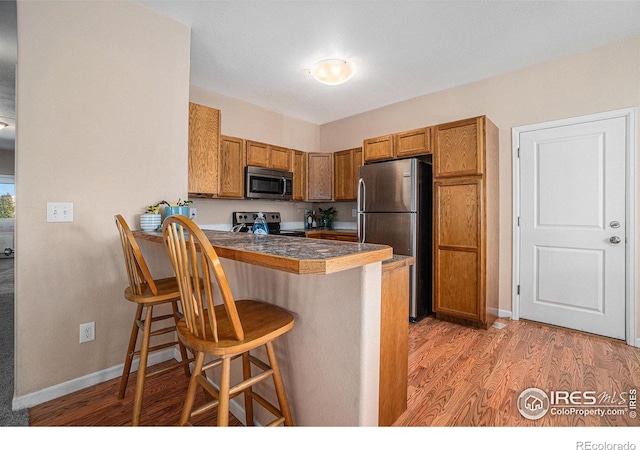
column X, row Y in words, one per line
column 332, row 71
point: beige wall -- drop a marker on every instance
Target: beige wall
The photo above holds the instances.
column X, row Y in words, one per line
column 7, row 162
column 103, row 90
column 600, row 80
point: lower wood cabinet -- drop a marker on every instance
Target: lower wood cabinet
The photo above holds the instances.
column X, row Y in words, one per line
column 394, row 340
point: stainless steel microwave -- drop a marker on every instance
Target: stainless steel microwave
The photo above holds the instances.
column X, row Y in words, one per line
column 268, row 183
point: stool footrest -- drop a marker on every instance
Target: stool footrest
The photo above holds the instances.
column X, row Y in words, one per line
column 169, row 368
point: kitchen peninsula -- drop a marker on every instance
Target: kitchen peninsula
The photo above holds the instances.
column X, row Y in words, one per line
column 331, row 359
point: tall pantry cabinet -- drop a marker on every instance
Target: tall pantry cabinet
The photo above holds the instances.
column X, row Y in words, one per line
column 466, row 206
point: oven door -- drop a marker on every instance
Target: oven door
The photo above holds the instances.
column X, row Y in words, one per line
column 266, row 183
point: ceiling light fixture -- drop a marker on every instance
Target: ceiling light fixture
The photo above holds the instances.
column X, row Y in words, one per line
column 332, row 71
column 2, row 125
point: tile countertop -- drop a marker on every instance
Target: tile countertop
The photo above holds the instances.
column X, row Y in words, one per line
column 289, row 254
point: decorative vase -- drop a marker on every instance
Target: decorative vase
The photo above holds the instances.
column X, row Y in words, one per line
column 171, row 210
column 150, row 222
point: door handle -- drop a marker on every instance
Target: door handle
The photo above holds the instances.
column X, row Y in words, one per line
column 615, row 239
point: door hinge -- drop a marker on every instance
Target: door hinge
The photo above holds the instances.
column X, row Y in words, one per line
column 518, row 152
column 518, row 289
column 518, row 220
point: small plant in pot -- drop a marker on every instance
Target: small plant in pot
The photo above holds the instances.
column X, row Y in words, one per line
column 181, row 207
column 150, row 220
column 327, row 216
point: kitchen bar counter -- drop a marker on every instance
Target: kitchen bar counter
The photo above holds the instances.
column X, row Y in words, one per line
column 331, row 359
column 295, row 255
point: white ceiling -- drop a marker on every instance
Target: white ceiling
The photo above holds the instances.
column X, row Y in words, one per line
column 260, row 51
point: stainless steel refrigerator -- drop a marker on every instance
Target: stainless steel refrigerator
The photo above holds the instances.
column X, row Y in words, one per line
column 395, row 208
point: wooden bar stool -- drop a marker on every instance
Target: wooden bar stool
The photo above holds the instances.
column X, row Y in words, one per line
column 147, row 293
column 226, row 331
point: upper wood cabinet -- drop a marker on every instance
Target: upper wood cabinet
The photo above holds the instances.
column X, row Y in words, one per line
column 231, row 168
column 466, row 221
column 204, row 142
column 258, row 154
column 412, row 143
column 345, row 173
column 458, row 149
column 280, row 158
column 319, row 176
column 299, row 169
column 378, row 149
column 266, row 155
column 399, row 145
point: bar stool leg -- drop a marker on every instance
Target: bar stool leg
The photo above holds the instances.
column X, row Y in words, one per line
column 248, row 400
column 130, row 352
column 191, row 390
column 183, row 349
column 279, row 385
column 223, row 398
column 142, row 367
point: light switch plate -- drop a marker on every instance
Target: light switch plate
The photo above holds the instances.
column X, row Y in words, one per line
column 59, row 212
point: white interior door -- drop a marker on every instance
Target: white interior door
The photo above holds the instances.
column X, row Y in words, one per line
column 572, row 226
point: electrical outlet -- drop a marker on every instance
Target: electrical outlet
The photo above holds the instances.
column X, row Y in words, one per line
column 192, row 213
column 87, row 332
column 354, row 212
column 59, row 212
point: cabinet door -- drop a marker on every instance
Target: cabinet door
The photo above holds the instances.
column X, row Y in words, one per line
column 320, row 176
column 343, row 163
column 413, row 143
column 358, row 159
column 258, row 154
column 299, row 169
column 231, row 168
column 457, row 148
column 458, row 249
column 280, row 158
column 204, row 140
column 378, row 149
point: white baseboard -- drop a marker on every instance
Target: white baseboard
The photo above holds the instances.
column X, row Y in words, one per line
column 59, row 390
column 502, row 313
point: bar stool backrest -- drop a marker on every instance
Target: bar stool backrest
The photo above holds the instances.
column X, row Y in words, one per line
column 194, row 260
column 137, row 270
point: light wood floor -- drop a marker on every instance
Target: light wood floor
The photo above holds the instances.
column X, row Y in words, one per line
column 458, row 376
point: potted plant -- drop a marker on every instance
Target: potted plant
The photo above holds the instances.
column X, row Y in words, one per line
column 327, row 216
column 181, row 207
column 150, row 219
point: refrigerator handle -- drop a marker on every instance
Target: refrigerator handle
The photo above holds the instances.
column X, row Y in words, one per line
column 360, row 201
